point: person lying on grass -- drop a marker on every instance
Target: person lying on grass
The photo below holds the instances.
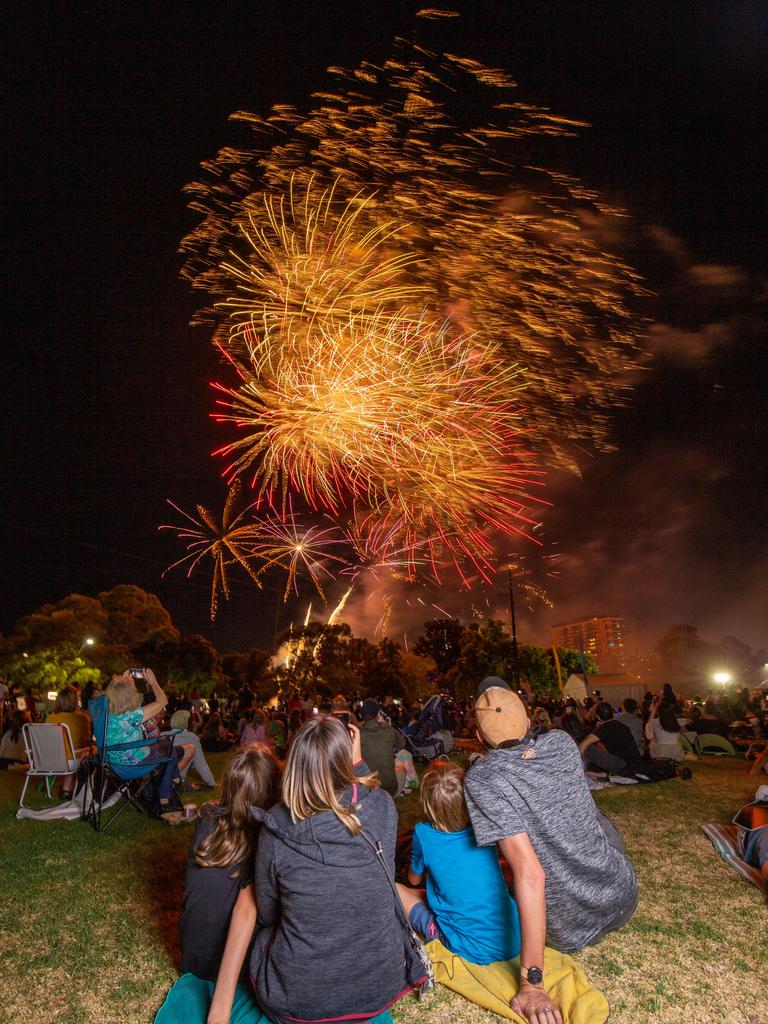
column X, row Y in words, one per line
column 572, row 882
column 219, row 910
column 466, row 903
column 126, row 717
column 752, row 841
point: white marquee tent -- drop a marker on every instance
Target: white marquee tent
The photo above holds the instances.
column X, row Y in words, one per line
column 614, row 687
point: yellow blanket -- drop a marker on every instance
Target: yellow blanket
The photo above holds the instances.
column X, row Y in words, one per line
column 493, row 986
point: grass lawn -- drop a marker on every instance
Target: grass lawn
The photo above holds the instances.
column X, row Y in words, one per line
column 88, row 923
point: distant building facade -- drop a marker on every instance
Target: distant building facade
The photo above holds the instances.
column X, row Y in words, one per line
column 602, row 636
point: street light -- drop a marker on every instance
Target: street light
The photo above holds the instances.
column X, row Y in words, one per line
column 88, row 642
column 722, row 677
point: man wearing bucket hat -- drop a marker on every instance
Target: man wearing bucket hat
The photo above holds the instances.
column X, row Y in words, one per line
column 573, row 883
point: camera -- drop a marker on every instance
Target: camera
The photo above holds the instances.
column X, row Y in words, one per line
column 139, row 680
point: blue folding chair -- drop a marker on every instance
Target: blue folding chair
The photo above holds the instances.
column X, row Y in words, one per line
column 109, row 775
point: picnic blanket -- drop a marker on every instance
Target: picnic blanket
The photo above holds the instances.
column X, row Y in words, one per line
column 70, row 810
column 189, row 999
column 493, row 986
column 724, row 839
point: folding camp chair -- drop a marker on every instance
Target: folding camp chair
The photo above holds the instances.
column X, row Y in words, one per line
column 108, row 774
column 710, row 743
column 686, row 744
column 50, row 752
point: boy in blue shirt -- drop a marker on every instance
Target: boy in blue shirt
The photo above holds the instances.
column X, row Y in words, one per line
column 466, row 903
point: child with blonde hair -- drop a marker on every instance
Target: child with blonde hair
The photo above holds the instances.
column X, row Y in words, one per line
column 466, row 903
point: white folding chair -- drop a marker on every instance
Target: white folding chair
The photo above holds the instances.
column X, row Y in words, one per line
column 50, row 753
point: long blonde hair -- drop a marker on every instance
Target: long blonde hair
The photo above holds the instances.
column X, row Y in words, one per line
column 251, row 779
column 319, row 769
column 122, row 695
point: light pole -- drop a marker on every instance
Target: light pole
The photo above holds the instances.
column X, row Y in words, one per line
column 515, row 656
column 88, row 642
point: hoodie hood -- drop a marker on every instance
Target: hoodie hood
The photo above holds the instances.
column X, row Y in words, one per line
column 312, row 875
column 322, row 838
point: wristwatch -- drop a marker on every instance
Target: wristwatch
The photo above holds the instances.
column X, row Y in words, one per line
column 533, row 975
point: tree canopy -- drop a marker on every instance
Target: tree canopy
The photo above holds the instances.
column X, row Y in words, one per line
column 131, row 627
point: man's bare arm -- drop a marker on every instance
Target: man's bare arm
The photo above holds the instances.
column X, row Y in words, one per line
column 532, row 1001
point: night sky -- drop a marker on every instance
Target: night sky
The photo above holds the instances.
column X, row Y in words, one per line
column 106, row 387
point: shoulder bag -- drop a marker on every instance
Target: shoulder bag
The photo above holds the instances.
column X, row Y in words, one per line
column 419, row 969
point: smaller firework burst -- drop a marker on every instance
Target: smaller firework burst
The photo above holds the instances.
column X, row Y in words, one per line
column 226, row 540
column 379, row 549
column 287, row 544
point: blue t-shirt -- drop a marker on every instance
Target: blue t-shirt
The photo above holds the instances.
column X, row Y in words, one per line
column 467, row 893
column 126, row 728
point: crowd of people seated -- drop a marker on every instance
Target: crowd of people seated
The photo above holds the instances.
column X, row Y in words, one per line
column 616, row 743
column 662, row 726
column 306, row 823
column 524, row 798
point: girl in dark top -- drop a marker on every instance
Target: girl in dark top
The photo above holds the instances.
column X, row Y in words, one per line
column 710, row 722
column 219, row 900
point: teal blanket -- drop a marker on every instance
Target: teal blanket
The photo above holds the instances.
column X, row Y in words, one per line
column 190, row 997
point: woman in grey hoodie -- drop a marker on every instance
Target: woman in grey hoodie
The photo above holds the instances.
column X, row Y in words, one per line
column 330, row 943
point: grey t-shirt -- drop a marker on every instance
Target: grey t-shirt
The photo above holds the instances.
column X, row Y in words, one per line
column 589, row 883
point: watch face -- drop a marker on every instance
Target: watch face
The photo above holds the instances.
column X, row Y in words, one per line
column 535, row 975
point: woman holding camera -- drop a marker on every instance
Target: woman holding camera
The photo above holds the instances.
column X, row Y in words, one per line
column 126, row 718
